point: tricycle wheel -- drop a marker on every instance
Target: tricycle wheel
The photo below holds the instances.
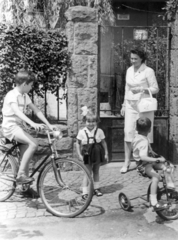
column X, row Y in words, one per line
column 124, row 201
column 171, row 213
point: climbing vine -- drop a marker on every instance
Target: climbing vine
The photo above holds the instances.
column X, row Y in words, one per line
column 171, row 9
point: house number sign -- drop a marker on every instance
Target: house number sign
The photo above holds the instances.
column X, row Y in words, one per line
column 140, row 34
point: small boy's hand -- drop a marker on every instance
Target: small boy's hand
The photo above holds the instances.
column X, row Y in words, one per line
column 161, row 159
column 106, row 158
column 80, row 157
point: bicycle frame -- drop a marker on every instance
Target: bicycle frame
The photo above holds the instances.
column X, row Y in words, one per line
column 54, row 156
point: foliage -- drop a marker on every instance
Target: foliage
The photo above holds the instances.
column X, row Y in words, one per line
column 104, row 8
column 171, row 9
column 43, row 52
column 156, row 59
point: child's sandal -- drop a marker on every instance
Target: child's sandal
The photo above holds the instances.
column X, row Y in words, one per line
column 98, row 193
column 84, row 196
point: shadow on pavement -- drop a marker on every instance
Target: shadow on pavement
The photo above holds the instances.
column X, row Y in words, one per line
column 111, row 188
column 92, row 211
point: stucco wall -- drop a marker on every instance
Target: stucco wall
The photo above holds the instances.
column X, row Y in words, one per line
column 173, row 114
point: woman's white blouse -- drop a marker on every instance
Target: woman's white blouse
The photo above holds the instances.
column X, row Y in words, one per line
column 144, row 77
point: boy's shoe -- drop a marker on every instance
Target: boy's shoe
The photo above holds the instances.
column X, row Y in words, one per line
column 23, row 179
column 159, row 207
column 84, row 196
column 98, row 193
column 171, row 186
column 30, row 193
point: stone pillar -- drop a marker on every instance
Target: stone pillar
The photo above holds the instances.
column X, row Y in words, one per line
column 82, row 83
column 173, row 114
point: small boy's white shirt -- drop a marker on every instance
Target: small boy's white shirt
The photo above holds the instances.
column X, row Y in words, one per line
column 83, row 138
column 140, row 146
column 13, row 96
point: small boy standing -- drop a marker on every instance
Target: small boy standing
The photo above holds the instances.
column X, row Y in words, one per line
column 91, row 148
column 13, row 126
column 147, row 161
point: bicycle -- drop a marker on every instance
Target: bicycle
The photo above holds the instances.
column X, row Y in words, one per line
column 59, row 183
column 164, row 196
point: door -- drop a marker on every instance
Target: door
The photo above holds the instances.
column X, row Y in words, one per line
column 114, row 48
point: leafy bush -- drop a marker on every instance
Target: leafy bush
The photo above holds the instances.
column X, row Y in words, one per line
column 42, row 51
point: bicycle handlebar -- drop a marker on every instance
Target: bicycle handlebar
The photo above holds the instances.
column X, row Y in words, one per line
column 57, row 134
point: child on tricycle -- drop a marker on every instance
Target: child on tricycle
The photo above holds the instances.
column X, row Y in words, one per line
column 148, row 162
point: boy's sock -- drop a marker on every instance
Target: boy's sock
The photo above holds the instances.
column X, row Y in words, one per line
column 84, row 190
column 153, row 199
column 96, row 185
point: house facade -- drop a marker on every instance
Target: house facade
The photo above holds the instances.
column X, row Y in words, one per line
column 99, row 60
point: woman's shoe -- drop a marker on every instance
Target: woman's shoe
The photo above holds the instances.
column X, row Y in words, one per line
column 98, row 193
column 124, row 169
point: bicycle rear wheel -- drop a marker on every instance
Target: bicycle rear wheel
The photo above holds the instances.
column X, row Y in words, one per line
column 8, row 172
column 65, row 201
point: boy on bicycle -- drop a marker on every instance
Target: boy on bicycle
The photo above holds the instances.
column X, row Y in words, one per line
column 14, row 119
column 148, row 161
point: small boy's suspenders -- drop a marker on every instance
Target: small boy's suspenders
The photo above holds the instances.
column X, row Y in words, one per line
column 88, row 138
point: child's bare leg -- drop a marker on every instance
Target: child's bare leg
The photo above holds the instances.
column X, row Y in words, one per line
column 28, row 149
column 96, row 168
column 85, row 181
column 23, row 148
column 168, row 175
column 96, row 175
column 154, row 185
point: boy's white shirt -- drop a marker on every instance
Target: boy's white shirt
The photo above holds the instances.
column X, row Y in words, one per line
column 83, row 138
column 140, row 146
column 14, row 96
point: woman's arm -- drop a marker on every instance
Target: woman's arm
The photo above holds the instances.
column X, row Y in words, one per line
column 152, row 82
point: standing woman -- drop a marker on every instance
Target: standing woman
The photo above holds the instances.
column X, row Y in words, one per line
column 139, row 78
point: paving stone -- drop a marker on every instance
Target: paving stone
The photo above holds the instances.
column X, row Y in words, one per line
column 111, row 183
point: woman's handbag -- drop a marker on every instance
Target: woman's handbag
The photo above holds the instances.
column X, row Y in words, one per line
column 147, row 104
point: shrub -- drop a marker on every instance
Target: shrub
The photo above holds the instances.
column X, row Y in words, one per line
column 42, row 51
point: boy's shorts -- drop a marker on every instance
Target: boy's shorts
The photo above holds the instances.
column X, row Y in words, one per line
column 11, row 132
column 141, row 168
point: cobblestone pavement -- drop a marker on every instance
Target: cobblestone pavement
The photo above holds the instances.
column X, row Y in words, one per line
column 112, row 183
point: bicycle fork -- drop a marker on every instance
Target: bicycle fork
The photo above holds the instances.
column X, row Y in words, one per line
column 57, row 172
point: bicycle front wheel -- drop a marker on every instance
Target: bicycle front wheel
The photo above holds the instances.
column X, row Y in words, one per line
column 8, row 172
column 66, row 200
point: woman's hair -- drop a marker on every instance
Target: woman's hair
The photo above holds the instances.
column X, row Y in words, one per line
column 143, row 124
column 90, row 116
column 140, row 53
column 24, row 76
